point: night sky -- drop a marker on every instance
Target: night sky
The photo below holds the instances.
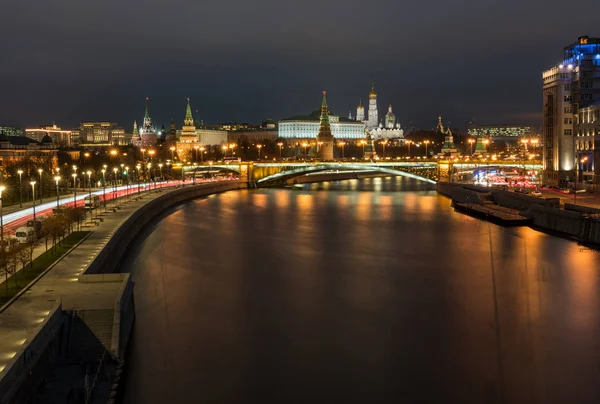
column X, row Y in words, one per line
column 67, row 61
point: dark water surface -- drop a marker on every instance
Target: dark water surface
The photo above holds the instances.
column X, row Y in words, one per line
column 358, row 291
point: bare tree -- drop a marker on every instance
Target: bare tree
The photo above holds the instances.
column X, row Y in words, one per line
column 23, row 256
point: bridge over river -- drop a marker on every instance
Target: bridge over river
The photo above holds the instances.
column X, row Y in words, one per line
column 265, row 174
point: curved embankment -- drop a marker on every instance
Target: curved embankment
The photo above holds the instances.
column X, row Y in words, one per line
column 109, row 257
column 91, row 324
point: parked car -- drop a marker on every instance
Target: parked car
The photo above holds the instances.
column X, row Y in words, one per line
column 521, row 191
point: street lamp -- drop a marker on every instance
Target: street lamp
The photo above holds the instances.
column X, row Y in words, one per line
column 259, row 146
column 304, row 145
column 74, row 175
column 57, row 179
column 115, row 171
column 471, row 141
column 408, row 143
column 138, row 167
column 426, row 142
column 20, row 172
column 384, row 142
column 104, row 187
column 196, row 147
column 41, row 190
column 172, row 148
column 583, row 160
column 280, row 144
column 363, row 142
column 2, row 188
column 342, row 144
column 202, row 148
column 160, row 166
column 34, row 221
column 91, row 203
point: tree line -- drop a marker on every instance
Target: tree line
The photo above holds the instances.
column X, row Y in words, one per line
column 15, row 256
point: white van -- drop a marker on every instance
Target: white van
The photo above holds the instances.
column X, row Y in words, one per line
column 91, row 202
column 25, row 234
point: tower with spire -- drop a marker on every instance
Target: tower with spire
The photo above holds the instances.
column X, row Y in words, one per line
column 360, row 111
column 147, row 134
column 390, row 118
column 324, row 137
column 373, row 118
column 448, row 149
column 188, row 132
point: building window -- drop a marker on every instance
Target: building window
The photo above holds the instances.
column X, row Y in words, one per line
column 568, row 98
column 567, row 110
column 568, row 121
column 568, row 132
column 567, row 87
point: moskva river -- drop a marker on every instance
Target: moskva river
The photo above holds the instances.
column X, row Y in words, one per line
column 370, row 291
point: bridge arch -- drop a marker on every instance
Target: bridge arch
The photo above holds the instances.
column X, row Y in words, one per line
column 290, row 173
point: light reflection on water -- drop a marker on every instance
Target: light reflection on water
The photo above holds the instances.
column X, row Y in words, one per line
column 359, row 291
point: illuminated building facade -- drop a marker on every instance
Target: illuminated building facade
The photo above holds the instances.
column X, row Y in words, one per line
column 10, row 130
column 587, row 142
column 568, row 88
column 102, row 134
column 502, row 131
column 59, row 136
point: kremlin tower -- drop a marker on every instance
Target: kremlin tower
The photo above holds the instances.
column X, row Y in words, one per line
column 147, row 136
column 373, row 119
column 360, row 112
column 188, row 132
column 390, row 119
column 324, row 137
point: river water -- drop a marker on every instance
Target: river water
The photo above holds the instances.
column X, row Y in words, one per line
column 358, row 291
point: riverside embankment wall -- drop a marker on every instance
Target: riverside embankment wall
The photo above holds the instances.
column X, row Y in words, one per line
column 108, row 259
column 573, row 221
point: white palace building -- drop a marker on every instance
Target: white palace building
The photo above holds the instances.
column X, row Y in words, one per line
column 307, row 127
column 358, row 127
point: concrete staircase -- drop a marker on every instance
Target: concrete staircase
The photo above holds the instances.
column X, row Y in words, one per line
column 91, row 334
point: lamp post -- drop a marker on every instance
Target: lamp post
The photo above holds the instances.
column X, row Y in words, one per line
column 138, row 167
column 126, row 168
column 172, row 148
column 583, row 160
column 280, row 144
column 160, row 166
column 104, row 188
column 74, row 190
column 471, row 141
column 426, row 143
column 89, row 173
column 342, row 144
column 259, row 146
column 408, row 143
column 384, row 142
column 304, row 145
column 363, row 143
column 20, row 172
column 224, row 148
column 2, row 188
column 33, row 199
column 202, row 148
column 115, row 171
column 41, row 190
column 57, row 179
column 196, row 147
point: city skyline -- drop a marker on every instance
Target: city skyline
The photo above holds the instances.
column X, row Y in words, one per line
column 436, row 61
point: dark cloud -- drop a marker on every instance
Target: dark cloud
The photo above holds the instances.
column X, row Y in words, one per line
column 239, row 60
